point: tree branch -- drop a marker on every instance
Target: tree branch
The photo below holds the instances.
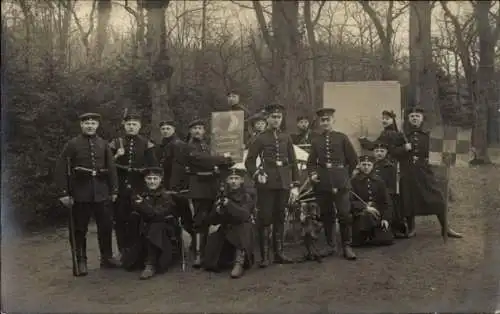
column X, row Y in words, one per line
column 318, row 15
column 262, row 23
column 375, row 19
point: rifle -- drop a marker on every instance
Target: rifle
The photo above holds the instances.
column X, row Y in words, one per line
column 76, row 269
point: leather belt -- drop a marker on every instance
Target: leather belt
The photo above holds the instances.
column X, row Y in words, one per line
column 130, row 169
column 330, row 165
column 92, row 172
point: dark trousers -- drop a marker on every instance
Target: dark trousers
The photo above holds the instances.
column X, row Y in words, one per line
column 122, row 217
column 202, row 208
column 336, row 205
column 152, row 253
column 81, row 214
column 271, row 206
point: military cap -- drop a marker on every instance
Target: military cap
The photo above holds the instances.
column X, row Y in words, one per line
column 275, row 108
column 322, row 112
column 196, row 122
column 240, row 172
column 388, row 113
column 380, row 145
column 416, row 109
column 302, row 117
column 258, row 117
column 153, row 171
column 90, row 116
column 132, row 115
column 232, row 91
column 366, row 158
column 167, row 122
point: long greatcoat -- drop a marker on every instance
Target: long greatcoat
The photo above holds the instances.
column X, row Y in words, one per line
column 420, row 191
column 236, row 231
column 156, row 223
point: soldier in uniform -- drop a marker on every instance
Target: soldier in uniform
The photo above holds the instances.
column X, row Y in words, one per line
column 371, row 206
column 232, row 243
column 157, row 243
column 93, row 185
column 171, row 156
column 421, row 195
column 203, row 170
column 259, row 125
column 330, row 164
column 386, row 169
column 133, row 153
column 276, row 180
column 303, row 137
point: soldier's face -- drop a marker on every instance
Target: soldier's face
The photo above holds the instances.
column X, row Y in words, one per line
column 379, row 153
column 197, row 131
column 326, row 123
column 233, row 99
column 153, row 181
column 234, row 182
column 260, row 125
column 89, row 127
column 366, row 166
column 132, row 127
column 167, row 131
column 303, row 124
column 274, row 120
column 386, row 121
column 416, row 118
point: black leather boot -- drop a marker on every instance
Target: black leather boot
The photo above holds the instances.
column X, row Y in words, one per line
column 411, row 227
column 346, row 238
column 278, row 235
column 148, row 272
column 197, row 250
column 264, row 235
column 239, row 261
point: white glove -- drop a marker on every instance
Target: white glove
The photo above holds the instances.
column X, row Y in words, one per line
column 262, row 179
column 315, row 178
column 120, row 152
column 384, row 224
column 213, row 228
column 67, row 201
column 294, row 194
column 372, row 210
column 408, row 146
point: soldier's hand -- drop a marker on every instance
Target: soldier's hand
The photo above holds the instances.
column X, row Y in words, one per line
column 384, row 224
column 294, row 194
column 408, row 147
column 114, row 197
column 262, row 179
column 225, row 201
column 120, row 152
column 372, row 210
column 227, row 155
column 138, row 199
column 315, row 178
column 216, row 169
column 67, row 201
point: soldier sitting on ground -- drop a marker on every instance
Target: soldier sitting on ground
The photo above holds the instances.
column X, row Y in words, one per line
column 157, row 228
column 232, row 243
column 371, row 206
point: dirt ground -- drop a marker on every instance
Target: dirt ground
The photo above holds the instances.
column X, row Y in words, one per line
column 422, row 274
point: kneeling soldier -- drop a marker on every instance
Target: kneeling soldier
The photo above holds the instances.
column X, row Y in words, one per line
column 158, row 229
column 232, row 243
column 371, row 206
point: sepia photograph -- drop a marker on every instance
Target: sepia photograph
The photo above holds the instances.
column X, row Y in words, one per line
column 222, row 156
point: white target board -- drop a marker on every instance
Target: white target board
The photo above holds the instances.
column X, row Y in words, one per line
column 359, row 105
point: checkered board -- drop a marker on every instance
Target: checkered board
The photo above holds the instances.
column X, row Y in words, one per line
column 450, row 145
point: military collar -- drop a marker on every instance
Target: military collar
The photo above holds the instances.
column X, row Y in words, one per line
column 167, row 140
column 89, row 136
column 363, row 176
column 383, row 162
column 156, row 192
column 236, row 194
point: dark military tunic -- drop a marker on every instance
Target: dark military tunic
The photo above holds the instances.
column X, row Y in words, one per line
column 139, row 154
column 366, row 227
column 235, row 232
column 303, row 139
column 279, row 163
column 171, row 155
column 94, row 176
column 420, row 191
column 387, row 171
column 156, row 232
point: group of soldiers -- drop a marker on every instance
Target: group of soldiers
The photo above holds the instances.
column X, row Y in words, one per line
column 153, row 194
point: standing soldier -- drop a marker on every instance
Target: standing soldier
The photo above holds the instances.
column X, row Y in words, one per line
column 132, row 153
column 93, row 182
column 258, row 123
column 331, row 162
column 171, row 155
column 276, row 179
column 303, row 137
column 203, row 170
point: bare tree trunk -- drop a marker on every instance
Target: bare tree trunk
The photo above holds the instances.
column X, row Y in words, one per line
column 313, row 67
column 486, row 80
column 64, row 32
column 423, row 85
column 104, row 8
column 159, row 63
column 29, row 25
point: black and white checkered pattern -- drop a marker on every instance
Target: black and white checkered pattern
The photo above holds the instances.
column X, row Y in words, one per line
column 450, row 145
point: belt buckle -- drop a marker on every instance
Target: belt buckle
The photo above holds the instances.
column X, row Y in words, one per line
column 279, row 163
column 94, row 173
column 329, row 165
